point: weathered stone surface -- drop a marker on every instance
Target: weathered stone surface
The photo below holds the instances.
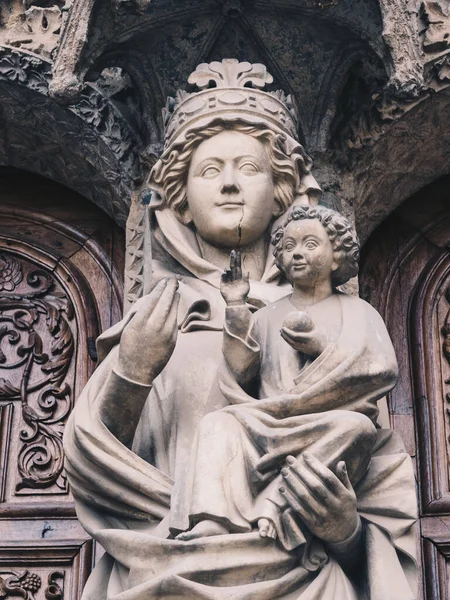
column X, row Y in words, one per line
column 87, row 146
column 227, row 443
column 356, row 70
column 31, row 25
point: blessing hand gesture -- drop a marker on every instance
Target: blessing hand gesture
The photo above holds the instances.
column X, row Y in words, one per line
column 234, row 286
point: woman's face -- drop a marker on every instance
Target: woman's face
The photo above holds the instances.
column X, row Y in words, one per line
column 230, row 191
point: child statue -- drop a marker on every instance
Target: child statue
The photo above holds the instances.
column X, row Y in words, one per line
column 233, row 481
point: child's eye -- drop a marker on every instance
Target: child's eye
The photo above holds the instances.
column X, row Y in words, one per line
column 311, row 245
column 289, row 246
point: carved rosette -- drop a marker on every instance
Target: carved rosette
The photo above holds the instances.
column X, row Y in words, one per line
column 36, row 349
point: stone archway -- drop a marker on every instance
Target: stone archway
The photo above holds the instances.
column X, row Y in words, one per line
column 89, row 147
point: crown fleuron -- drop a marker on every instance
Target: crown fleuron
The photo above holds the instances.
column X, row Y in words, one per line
column 231, row 99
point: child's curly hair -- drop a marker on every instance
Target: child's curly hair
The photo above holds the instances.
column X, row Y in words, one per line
column 342, row 236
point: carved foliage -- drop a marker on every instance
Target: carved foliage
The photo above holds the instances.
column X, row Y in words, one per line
column 230, row 73
column 59, row 568
column 435, row 16
column 92, row 107
column 393, row 102
column 25, row 585
column 135, row 253
column 104, row 123
column 36, row 348
column 37, row 28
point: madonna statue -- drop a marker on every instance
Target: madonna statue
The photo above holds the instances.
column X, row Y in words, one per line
column 227, row 445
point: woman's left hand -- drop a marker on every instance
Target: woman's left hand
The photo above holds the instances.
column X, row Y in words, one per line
column 325, row 502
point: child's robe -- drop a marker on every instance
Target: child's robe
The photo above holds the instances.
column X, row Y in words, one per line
column 233, row 472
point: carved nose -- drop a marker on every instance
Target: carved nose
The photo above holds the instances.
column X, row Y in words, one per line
column 229, row 183
column 229, row 188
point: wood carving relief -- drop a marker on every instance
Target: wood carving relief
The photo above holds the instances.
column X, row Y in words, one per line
column 429, row 340
column 36, row 348
column 58, row 285
column 446, row 331
column 48, row 320
column 26, row 585
column 410, row 255
column 6, row 414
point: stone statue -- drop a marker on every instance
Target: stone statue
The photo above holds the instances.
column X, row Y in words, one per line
column 227, row 446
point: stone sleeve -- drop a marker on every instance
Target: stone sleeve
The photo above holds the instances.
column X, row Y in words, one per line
column 241, row 349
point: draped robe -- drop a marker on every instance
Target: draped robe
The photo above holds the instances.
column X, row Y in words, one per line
column 123, row 495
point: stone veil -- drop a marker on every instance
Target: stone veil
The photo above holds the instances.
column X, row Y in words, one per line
column 129, row 438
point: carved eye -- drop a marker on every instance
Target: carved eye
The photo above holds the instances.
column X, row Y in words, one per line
column 248, row 168
column 311, row 245
column 210, row 172
column 289, row 246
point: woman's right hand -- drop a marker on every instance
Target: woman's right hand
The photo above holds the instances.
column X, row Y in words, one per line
column 149, row 339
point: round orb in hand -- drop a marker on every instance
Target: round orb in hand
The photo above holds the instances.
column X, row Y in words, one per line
column 298, row 321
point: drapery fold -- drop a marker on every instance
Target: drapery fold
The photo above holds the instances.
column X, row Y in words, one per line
column 123, row 496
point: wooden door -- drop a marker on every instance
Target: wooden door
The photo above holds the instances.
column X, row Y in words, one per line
column 59, row 287
column 405, row 274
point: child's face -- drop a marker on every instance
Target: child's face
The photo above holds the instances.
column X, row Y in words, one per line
column 307, row 255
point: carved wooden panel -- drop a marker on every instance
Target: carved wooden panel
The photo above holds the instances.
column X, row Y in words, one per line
column 45, row 571
column 436, row 549
column 58, row 290
column 431, row 377
column 406, row 275
column 27, row 585
column 36, row 350
column 6, row 415
column 38, row 337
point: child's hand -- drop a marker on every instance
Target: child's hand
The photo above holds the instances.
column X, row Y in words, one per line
column 234, row 286
column 300, row 333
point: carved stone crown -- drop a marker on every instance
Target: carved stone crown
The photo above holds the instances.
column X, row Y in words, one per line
column 230, row 100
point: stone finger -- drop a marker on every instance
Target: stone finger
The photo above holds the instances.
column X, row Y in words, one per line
column 148, row 305
column 165, row 303
column 238, row 270
column 342, row 475
column 287, row 338
column 301, row 490
column 226, row 276
column 293, row 501
column 297, row 336
column 232, row 262
column 312, row 482
column 322, row 472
